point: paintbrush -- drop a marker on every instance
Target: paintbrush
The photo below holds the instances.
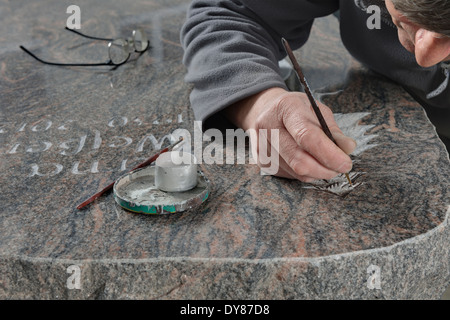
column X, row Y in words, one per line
column 308, row 92
column 142, row 165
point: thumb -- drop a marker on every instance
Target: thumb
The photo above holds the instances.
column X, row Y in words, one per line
column 347, row 144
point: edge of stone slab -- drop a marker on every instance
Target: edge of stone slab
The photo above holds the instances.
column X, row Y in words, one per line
column 338, row 256
column 421, row 272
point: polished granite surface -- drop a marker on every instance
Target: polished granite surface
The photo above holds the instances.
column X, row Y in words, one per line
column 66, row 132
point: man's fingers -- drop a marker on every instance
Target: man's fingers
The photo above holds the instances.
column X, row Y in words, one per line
column 347, row 144
column 303, row 150
column 292, row 160
column 314, row 141
column 301, row 161
column 306, row 131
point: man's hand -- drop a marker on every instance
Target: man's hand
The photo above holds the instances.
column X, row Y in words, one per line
column 305, row 152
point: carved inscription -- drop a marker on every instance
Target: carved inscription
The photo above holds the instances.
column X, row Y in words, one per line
column 67, row 140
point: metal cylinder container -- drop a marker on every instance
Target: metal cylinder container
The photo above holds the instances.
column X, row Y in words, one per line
column 176, row 171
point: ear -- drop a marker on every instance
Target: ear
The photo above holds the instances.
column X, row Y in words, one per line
column 431, row 48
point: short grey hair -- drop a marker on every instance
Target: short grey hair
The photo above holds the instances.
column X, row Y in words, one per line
column 433, row 15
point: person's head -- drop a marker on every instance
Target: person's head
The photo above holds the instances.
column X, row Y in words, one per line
column 423, row 28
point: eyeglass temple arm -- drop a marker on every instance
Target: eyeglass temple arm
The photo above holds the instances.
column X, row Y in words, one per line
column 109, row 63
column 86, row 36
column 102, row 39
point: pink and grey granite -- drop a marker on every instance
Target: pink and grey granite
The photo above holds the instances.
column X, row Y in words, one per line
column 67, row 132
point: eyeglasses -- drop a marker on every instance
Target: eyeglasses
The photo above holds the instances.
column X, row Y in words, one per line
column 119, row 49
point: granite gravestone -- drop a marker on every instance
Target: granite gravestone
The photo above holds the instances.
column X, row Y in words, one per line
column 68, row 132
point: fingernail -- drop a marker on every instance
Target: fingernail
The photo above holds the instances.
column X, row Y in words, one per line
column 353, row 144
column 346, row 143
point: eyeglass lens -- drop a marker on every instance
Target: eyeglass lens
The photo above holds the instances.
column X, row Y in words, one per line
column 119, row 51
column 140, row 40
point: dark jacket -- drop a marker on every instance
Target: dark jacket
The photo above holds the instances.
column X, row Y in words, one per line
column 232, row 49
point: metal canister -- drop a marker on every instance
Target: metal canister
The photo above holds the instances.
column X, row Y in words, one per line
column 176, row 171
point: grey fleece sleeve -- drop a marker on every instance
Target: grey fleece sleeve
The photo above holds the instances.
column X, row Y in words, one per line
column 232, row 47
